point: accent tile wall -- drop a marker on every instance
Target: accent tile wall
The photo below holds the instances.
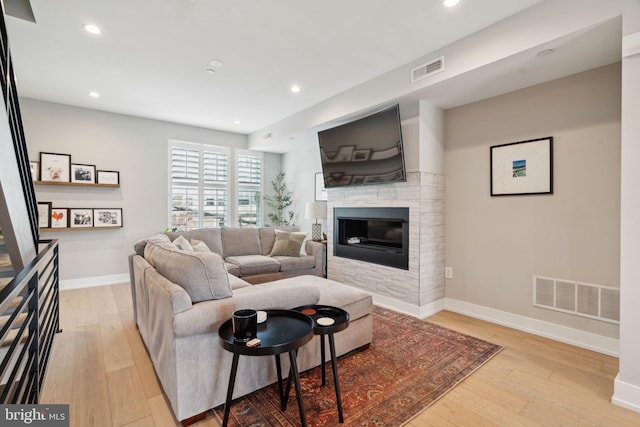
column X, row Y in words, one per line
column 423, row 283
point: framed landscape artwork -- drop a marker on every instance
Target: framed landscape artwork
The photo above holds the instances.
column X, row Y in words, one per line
column 522, row 168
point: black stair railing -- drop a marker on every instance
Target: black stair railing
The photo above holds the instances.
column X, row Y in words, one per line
column 29, row 302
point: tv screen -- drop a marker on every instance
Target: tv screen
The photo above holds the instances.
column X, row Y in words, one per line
column 364, row 151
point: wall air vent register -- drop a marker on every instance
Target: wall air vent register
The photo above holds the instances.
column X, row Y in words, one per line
column 581, row 299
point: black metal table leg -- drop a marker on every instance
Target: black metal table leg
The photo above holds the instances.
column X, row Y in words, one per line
column 322, row 361
column 332, row 348
column 283, row 398
column 232, row 382
column 296, row 381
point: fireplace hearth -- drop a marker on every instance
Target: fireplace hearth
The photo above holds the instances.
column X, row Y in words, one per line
column 376, row 235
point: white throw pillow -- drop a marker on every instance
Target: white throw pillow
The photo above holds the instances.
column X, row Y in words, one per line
column 183, row 244
column 199, row 246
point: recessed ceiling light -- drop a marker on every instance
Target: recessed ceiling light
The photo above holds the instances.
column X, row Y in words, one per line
column 236, row 122
column 93, row 29
column 450, row 3
column 295, row 89
column 210, row 71
column 94, row 94
column 216, row 63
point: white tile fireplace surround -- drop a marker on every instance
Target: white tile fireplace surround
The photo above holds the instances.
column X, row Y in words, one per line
column 419, row 290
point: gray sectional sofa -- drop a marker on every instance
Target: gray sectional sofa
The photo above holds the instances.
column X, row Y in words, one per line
column 246, row 252
column 182, row 297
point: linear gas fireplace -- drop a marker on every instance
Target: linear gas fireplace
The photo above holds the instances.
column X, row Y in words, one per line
column 377, row 235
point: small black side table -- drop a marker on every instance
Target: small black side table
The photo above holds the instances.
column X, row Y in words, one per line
column 341, row 321
column 283, row 331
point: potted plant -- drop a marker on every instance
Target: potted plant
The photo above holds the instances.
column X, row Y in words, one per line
column 279, row 202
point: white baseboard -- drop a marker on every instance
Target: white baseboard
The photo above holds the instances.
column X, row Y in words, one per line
column 417, row 311
column 90, row 282
column 626, row 395
column 576, row 337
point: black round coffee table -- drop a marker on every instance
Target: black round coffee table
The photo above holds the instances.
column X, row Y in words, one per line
column 283, row 331
column 340, row 320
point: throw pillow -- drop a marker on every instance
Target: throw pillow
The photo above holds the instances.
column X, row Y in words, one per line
column 199, row 246
column 288, row 243
column 140, row 244
column 183, row 244
column 201, row 274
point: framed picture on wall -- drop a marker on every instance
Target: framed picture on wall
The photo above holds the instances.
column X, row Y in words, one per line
column 321, row 191
column 44, row 212
column 59, row 218
column 83, row 173
column 55, row 167
column 35, row 170
column 80, row 218
column 108, row 177
column 107, row 217
column 522, row 168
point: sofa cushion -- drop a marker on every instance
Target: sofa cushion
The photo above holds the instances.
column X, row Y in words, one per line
column 288, row 263
column 240, row 241
column 254, row 264
column 232, row 268
column 268, row 236
column 287, row 243
column 201, row 274
column 210, row 236
column 206, row 318
column 356, row 302
column 139, row 246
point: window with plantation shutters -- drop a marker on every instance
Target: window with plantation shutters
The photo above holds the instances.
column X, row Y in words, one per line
column 208, row 188
column 249, row 200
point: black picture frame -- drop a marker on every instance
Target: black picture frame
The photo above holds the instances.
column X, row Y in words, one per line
column 522, row 168
column 59, row 218
column 80, row 218
column 108, row 177
column 81, row 173
column 55, row 167
column 44, row 214
column 107, row 217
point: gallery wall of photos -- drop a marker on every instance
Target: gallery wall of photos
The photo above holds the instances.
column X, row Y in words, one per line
column 59, row 169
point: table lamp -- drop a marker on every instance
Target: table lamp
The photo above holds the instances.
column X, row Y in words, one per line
column 317, row 210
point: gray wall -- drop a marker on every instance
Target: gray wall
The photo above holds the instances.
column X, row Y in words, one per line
column 134, row 146
column 496, row 244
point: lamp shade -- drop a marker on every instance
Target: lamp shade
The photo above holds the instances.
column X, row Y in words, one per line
column 317, row 210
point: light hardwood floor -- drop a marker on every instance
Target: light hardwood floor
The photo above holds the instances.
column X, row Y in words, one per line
column 100, row 367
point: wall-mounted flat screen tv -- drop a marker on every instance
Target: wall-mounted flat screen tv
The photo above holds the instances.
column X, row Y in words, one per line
column 364, row 151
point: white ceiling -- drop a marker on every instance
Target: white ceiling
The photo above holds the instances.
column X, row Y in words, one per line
column 151, row 57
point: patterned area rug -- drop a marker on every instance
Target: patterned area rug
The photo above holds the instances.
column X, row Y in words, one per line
column 409, row 365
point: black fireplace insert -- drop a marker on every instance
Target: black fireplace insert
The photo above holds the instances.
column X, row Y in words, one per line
column 376, row 235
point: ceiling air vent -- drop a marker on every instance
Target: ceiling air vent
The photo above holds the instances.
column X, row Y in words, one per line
column 428, row 69
column 266, row 136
